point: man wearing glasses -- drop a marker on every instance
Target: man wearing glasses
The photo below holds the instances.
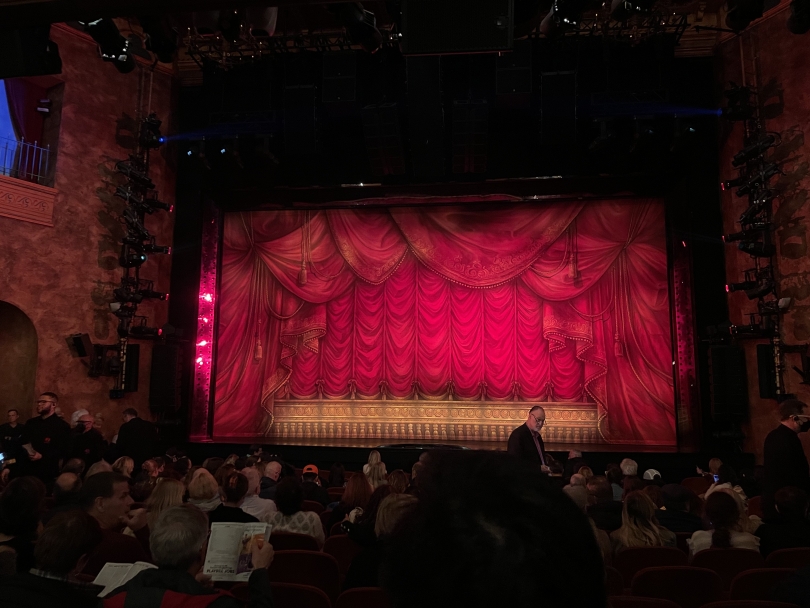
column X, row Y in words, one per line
column 784, row 459
column 49, row 438
column 525, row 441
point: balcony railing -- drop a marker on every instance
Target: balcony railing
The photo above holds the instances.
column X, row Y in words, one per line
column 24, row 160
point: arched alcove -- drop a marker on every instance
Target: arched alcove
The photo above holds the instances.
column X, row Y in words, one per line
column 18, row 360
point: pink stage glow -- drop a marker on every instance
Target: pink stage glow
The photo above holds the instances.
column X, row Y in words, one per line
column 493, row 301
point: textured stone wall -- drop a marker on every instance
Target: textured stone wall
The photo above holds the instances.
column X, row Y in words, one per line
column 779, row 61
column 62, row 277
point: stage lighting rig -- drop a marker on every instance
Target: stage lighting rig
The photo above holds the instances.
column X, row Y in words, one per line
column 150, row 136
column 135, row 171
column 621, row 10
column 112, row 46
column 751, row 233
column 759, row 179
column 144, row 204
column 130, row 257
column 139, row 329
column 135, row 224
column 760, row 206
column 758, row 283
column 161, row 39
column 564, row 15
column 752, row 151
column 740, row 105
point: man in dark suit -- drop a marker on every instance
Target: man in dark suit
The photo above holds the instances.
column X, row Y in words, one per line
column 784, row 458
column 525, row 441
column 137, row 438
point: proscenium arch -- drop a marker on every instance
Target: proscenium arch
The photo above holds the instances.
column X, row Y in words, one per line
column 18, row 360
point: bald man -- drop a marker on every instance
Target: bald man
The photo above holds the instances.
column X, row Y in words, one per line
column 525, row 441
column 272, row 471
column 88, row 444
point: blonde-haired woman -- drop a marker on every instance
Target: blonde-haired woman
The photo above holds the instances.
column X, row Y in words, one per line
column 373, row 458
column 124, row 465
column 640, row 527
column 377, row 475
column 167, row 493
column 203, row 491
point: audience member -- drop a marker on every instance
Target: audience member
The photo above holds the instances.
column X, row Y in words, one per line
column 364, row 569
column 311, row 486
column 361, row 529
column 12, row 440
column 102, row 466
column 151, row 468
column 212, row 464
column 714, row 466
column 790, row 527
column 525, row 441
column 124, row 466
column 605, row 512
column 137, row 438
column 377, row 475
column 61, row 553
column 726, row 478
column 723, row 514
column 629, row 467
column 373, row 458
column 640, row 527
column 223, row 473
column 167, row 493
column 784, row 458
column 260, row 508
column 579, row 495
column 75, row 466
column 182, row 466
column 66, row 493
column 398, row 481
column 651, row 475
column 269, row 481
column 574, row 463
column 519, row 544
column 290, row 516
column 656, row 495
column 233, row 491
column 416, row 469
column 86, row 442
column 178, row 544
column 631, row 484
column 578, row 480
column 21, row 505
column 355, row 496
column 614, row 475
column 585, row 472
column 49, row 438
column 203, row 491
column 675, row 516
column 337, row 476
column 105, row 496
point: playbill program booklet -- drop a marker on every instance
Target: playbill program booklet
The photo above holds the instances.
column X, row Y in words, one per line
column 230, row 549
column 113, row 576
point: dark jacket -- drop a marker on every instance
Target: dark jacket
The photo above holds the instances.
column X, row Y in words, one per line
column 30, row 591
column 780, row 534
column 50, row 437
column 364, row 569
column 117, row 548
column 267, row 489
column 88, row 446
column 679, row 521
column 148, row 590
column 312, row 491
column 521, row 444
column 606, row 515
column 224, row 514
column 572, row 466
column 785, row 465
column 137, row 439
column 795, row 590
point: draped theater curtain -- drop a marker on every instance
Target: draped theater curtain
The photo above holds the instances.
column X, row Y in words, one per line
column 493, row 300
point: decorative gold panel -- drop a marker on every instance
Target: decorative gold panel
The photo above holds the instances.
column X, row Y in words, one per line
column 315, row 421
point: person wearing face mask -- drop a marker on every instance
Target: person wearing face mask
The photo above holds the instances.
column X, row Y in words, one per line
column 525, row 441
column 784, row 458
column 49, row 438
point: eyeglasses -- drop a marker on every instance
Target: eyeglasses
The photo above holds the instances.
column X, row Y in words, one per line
column 45, row 401
column 539, row 420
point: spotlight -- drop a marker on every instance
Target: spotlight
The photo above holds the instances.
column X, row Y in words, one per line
column 739, row 103
column 130, row 257
column 732, row 183
column 112, row 46
column 153, row 295
column 763, row 288
column 799, row 20
column 755, row 209
column 757, row 249
column 135, row 224
column 133, row 171
column 361, row 26
column 124, row 295
column 150, row 136
column 152, row 248
column 758, row 179
column 753, row 150
column 142, row 331
column 144, row 204
column 742, row 12
column 751, row 233
column 744, row 286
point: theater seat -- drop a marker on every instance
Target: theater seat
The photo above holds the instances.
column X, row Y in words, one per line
column 755, row 506
column 614, row 583
column 698, row 485
column 728, row 563
column 335, row 493
column 307, row 568
column 629, row 601
column 749, row 604
column 312, row 505
column 290, row 541
column 288, row 595
column 363, row 597
column 758, row 584
column 343, row 549
column 325, row 517
column 686, row 586
column 630, row 561
column 789, row 558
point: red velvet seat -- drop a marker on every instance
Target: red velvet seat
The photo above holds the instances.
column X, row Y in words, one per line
column 614, row 583
column 629, row 601
column 290, row 541
column 307, row 568
column 336, row 530
column 335, row 493
column 755, row 506
column 363, row 597
column 681, row 538
column 686, row 586
column 288, row 595
column 789, row 558
column 312, row 505
column 698, row 485
column 343, row 549
column 629, row 561
column 758, row 584
column 728, row 563
column 749, row 604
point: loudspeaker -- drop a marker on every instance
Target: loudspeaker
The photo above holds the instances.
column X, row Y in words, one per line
column 426, row 116
column 28, row 52
column 165, row 377
column 729, row 383
column 456, row 26
column 766, row 371
column 133, row 365
column 80, row 345
column 339, row 77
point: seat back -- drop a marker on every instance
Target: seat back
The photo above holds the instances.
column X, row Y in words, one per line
column 629, row 601
column 307, row 568
column 312, row 505
column 343, row 549
column 686, row 586
column 749, row 604
column 289, row 595
column 789, row 558
column 290, row 541
column 614, row 582
column 698, row 485
column 755, row 506
column 363, row 597
column 728, row 563
column 335, row 493
column 681, row 538
column 336, row 530
column 629, row 561
column 325, row 517
column 757, row 584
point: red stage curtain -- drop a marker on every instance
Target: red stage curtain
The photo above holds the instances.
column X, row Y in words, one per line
column 532, row 302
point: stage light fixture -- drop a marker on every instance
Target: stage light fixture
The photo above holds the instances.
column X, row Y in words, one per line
column 143, row 331
column 150, row 294
column 799, row 20
column 757, row 249
column 132, row 170
column 130, row 257
column 150, row 136
column 742, row 12
column 262, row 20
column 122, row 294
column 763, row 288
column 751, row 233
column 161, row 39
column 112, row 46
column 732, row 183
column 152, row 248
column 739, row 105
column 751, row 151
column 361, row 25
column 135, row 224
column 758, row 206
column 743, row 286
column 758, row 179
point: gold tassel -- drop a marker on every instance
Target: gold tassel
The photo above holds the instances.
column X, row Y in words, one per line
column 618, row 347
column 573, row 273
column 302, row 275
column 257, row 349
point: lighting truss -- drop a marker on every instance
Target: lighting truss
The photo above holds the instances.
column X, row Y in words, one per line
column 636, row 28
